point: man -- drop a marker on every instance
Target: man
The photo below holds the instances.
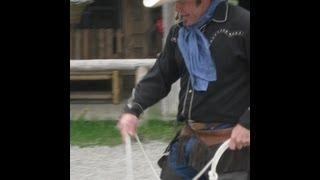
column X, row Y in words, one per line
column 210, row 52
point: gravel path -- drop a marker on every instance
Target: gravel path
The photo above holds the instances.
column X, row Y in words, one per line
column 109, row 163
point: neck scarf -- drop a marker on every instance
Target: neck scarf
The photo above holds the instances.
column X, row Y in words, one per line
column 194, row 47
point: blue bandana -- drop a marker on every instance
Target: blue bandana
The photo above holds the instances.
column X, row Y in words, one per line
column 194, row 47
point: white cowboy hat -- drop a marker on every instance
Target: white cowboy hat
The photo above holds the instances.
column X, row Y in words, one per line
column 156, row 3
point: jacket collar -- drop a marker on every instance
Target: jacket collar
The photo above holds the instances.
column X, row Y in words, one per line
column 221, row 13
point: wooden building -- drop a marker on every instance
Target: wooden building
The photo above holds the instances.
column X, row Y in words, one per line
column 110, row 29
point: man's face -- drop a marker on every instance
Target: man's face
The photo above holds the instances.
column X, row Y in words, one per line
column 190, row 11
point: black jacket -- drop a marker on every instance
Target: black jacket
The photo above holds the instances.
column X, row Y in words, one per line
column 228, row 98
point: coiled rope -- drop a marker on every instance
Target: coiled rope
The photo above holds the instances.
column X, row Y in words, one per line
column 214, row 161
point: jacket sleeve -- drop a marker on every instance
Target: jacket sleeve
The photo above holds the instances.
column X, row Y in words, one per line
column 245, row 118
column 156, row 84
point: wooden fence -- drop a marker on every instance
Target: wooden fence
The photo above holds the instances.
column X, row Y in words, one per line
column 106, row 69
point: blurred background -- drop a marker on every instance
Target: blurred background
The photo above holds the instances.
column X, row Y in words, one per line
column 109, row 29
column 119, row 30
column 116, row 29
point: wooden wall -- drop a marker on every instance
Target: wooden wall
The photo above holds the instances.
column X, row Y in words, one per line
column 96, row 43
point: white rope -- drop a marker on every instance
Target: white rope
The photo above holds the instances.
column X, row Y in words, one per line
column 214, row 161
column 147, row 158
column 128, row 157
column 213, row 172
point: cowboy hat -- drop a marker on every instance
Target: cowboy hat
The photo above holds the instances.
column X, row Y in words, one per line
column 156, row 3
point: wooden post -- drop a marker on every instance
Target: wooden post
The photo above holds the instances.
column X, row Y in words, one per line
column 169, row 104
column 115, row 87
column 140, row 73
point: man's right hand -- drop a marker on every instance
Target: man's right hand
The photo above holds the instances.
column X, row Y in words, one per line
column 127, row 124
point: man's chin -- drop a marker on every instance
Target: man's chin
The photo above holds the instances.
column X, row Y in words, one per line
column 186, row 23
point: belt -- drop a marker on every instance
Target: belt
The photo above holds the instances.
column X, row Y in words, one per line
column 208, row 136
column 208, row 126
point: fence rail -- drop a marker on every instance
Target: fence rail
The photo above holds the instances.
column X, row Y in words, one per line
column 109, row 64
column 106, row 69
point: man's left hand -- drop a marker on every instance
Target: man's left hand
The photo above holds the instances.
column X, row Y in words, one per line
column 240, row 137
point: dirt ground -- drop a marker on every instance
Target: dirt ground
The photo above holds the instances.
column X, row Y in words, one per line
column 103, row 162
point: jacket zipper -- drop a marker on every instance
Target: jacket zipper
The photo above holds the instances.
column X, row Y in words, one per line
column 185, row 98
column 190, row 106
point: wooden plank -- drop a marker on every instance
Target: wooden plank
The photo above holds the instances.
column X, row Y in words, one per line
column 125, row 27
column 119, row 36
column 90, row 77
column 101, row 42
column 109, row 64
column 77, row 44
column 90, row 44
column 115, row 87
column 109, row 43
column 91, row 73
column 93, row 44
column 90, row 95
column 85, row 33
column 71, row 43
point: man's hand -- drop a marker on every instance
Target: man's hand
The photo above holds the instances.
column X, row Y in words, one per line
column 127, row 124
column 240, row 137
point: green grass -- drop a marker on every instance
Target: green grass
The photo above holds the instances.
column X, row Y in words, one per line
column 90, row 133
column 158, row 130
column 104, row 133
column 234, row 2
